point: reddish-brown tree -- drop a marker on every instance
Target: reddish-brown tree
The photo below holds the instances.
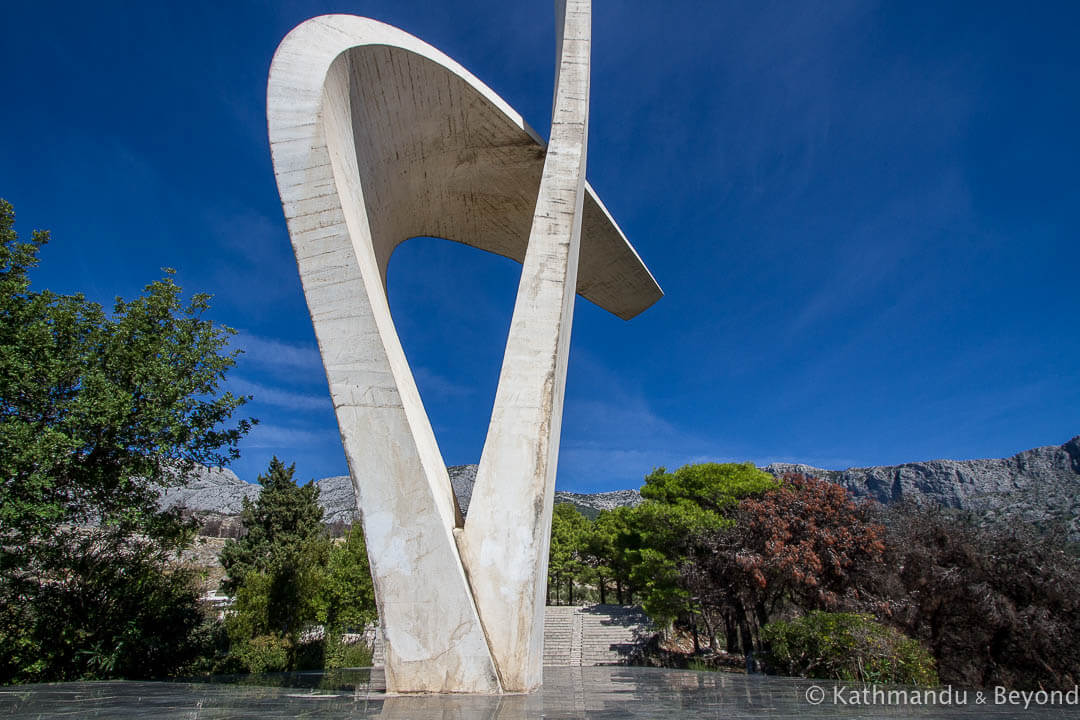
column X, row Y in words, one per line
column 799, row 545
column 802, row 542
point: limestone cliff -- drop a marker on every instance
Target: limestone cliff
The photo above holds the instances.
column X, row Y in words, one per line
column 1031, row 486
column 211, row 489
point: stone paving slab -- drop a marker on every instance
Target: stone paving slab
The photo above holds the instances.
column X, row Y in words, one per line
column 588, row 692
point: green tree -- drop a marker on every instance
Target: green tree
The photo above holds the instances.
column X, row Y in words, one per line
column 598, row 551
column 296, row 591
column 347, row 596
column 284, row 519
column 680, row 511
column 714, row 488
column 626, row 544
column 564, row 560
column 98, row 412
column 666, row 536
column 800, row 545
column 275, row 570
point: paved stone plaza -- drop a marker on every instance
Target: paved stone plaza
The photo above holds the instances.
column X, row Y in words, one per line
column 594, row 692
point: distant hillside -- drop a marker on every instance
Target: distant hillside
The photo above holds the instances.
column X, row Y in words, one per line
column 219, row 492
column 1033, row 486
column 590, row 504
column 462, row 478
column 211, row 489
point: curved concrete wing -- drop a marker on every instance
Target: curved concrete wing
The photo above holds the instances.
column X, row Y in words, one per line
column 377, row 137
column 441, row 154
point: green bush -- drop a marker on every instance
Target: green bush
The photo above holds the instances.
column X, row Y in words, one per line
column 340, row 654
column 264, row 654
column 846, row 646
column 272, row 653
column 115, row 610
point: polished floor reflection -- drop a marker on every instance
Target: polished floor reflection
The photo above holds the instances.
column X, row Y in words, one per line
column 589, row 692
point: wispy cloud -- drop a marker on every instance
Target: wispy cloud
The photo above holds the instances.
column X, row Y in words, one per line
column 280, row 437
column 272, row 353
column 251, row 235
column 878, row 256
column 614, row 417
column 280, row 398
column 255, row 260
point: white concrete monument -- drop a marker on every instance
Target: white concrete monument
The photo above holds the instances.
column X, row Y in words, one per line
column 378, row 137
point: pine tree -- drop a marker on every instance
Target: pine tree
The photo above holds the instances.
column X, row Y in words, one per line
column 275, row 570
column 284, row 520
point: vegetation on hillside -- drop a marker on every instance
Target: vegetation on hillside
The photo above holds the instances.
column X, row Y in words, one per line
column 995, row 604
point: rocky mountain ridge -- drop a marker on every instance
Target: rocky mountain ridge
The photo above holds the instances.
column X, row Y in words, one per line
column 218, row 491
column 1032, row 486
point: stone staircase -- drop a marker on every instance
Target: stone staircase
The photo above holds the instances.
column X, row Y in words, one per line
column 583, row 635
column 610, row 633
column 561, row 634
column 378, row 648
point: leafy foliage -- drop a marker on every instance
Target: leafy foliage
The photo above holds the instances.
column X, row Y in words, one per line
column 641, row 550
column 713, row 488
column 847, row 646
column 993, row 604
column 346, row 601
column 119, row 612
column 341, row 654
column 564, row 558
column 284, row 520
column 802, row 542
column 599, row 552
column 296, row 592
column 98, row 412
column 795, row 544
column 996, row 605
column 682, row 511
column 274, row 570
column 264, row 654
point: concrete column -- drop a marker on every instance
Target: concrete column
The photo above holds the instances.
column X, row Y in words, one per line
column 507, row 533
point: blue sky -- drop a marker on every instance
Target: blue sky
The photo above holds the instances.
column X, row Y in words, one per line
column 864, row 217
